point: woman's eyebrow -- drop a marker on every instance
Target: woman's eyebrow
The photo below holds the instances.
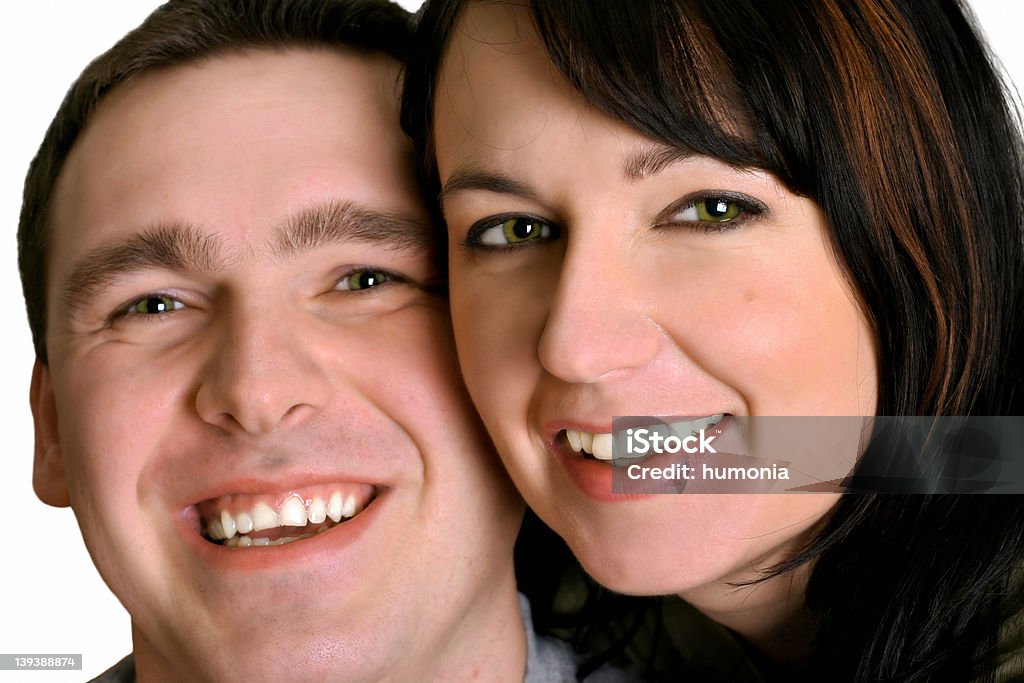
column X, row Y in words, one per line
column 645, row 160
column 466, row 179
column 650, row 159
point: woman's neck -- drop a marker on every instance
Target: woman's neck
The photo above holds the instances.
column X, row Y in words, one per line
column 772, row 615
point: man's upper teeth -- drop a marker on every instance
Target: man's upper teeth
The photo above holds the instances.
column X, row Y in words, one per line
column 231, row 516
column 244, row 522
column 264, row 517
column 317, row 511
column 600, row 444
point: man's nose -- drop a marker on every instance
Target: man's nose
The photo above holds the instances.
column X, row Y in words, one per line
column 262, row 375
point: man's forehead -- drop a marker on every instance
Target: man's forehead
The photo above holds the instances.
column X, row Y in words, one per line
column 179, row 113
column 247, row 139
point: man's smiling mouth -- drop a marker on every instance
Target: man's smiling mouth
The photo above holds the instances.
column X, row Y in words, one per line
column 246, row 520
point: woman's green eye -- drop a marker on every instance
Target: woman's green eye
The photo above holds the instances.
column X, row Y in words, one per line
column 363, row 279
column 711, row 210
column 515, row 230
column 155, row 304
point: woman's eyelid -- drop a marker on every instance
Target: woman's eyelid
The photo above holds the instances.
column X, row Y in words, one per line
column 750, row 207
column 477, row 229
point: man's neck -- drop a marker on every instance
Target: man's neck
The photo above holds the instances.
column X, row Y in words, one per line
column 482, row 640
column 488, row 644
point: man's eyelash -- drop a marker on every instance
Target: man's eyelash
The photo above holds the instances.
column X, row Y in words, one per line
column 390, row 277
column 125, row 310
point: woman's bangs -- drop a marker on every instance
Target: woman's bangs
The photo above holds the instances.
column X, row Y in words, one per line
column 658, row 68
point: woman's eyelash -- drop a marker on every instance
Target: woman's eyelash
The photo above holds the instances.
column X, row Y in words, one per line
column 509, row 231
column 712, row 211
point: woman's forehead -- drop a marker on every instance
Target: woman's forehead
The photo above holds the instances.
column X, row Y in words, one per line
column 495, row 49
column 502, row 84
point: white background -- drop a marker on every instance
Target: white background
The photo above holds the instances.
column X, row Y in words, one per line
column 51, row 598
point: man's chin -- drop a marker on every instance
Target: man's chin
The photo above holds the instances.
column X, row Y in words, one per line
column 251, row 640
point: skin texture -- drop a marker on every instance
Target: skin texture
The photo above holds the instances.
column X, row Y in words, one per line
column 270, row 375
column 628, row 306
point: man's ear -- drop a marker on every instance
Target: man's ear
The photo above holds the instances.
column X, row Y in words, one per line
column 48, row 477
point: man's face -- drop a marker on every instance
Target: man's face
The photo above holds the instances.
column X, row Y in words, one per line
column 242, row 333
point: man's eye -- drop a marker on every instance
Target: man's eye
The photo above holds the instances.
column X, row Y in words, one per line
column 513, row 230
column 363, row 279
column 155, row 304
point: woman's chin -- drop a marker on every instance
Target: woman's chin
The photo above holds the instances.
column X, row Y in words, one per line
column 631, row 571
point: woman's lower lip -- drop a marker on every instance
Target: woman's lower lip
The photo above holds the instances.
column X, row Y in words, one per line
column 592, row 477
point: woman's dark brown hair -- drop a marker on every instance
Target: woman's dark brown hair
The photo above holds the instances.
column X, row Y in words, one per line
column 890, row 115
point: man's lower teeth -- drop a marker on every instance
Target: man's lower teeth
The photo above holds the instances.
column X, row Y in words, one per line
column 243, row 541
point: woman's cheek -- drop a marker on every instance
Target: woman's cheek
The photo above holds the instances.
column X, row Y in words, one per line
column 496, row 329
column 788, row 350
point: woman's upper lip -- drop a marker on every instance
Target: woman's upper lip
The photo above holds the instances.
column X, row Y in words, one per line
column 555, row 427
column 552, row 428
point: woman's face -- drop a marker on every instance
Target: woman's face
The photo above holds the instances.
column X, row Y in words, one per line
column 596, row 273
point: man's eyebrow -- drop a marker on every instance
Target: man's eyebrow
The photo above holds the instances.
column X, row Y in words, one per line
column 651, row 159
column 339, row 222
column 464, row 179
column 173, row 246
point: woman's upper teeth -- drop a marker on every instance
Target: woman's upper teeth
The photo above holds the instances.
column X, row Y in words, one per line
column 599, row 444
